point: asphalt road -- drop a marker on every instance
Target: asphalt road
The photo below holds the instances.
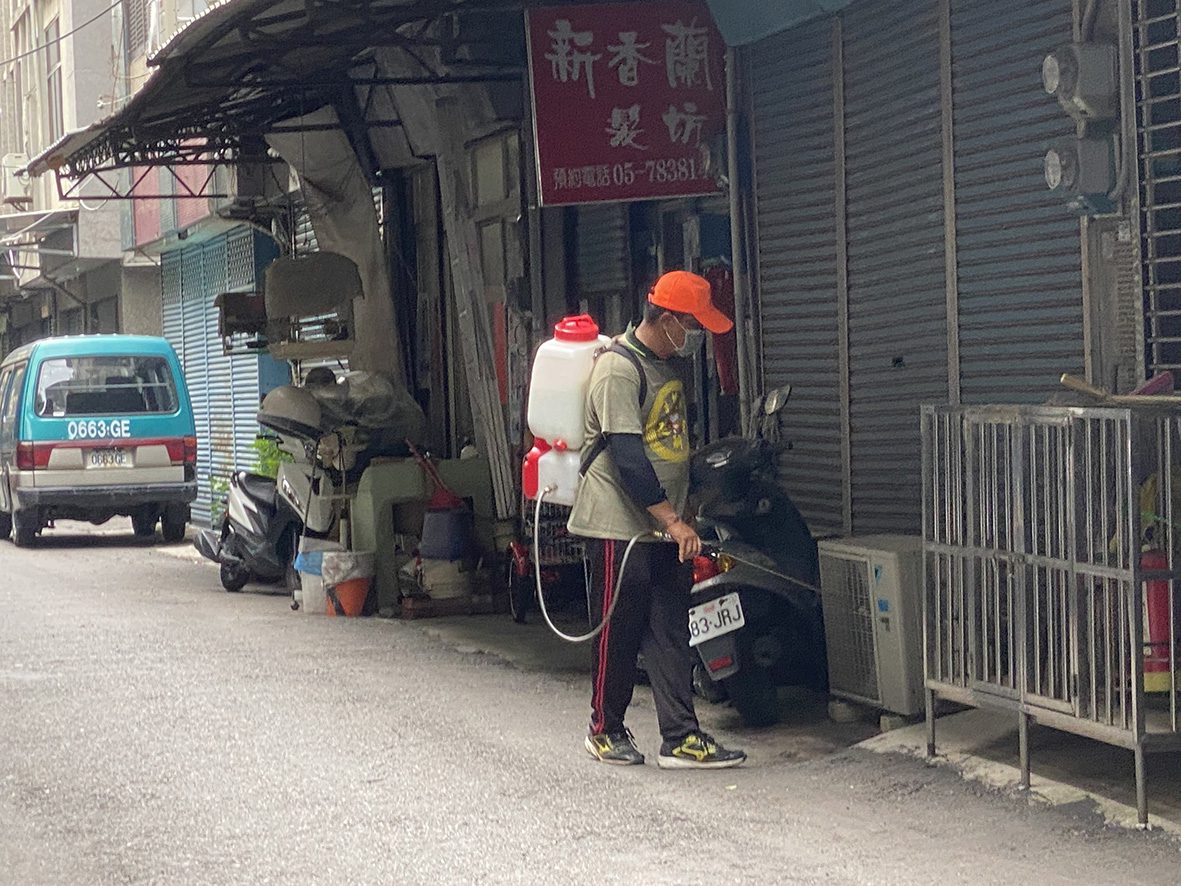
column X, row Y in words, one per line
column 154, row 729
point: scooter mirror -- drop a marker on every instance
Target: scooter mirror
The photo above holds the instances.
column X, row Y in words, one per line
column 776, row 400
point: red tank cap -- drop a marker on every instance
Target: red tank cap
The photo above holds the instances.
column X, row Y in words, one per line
column 580, row 328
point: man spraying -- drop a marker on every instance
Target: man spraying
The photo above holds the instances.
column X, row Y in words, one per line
column 636, row 480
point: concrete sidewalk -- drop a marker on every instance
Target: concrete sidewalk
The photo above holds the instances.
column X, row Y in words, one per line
column 1065, row 769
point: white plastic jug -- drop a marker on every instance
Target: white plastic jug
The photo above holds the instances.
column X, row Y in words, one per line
column 561, row 373
column 559, row 468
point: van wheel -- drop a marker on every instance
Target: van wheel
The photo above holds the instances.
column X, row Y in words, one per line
column 173, row 524
column 24, row 535
column 5, row 525
column 144, row 523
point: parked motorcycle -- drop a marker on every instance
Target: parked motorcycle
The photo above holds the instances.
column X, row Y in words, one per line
column 259, row 535
column 265, row 518
column 331, row 429
column 755, row 620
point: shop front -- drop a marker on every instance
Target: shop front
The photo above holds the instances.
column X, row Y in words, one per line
column 906, row 247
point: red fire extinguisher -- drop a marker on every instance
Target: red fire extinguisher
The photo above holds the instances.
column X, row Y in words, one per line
column 1157, row 618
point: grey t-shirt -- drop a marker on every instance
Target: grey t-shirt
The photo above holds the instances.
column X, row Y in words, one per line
column 603, row 509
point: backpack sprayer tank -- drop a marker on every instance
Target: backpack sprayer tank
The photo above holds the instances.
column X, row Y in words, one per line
column 557, row 419
column 556, row 411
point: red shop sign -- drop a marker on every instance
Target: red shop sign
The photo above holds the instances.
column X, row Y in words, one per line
column 626, row 99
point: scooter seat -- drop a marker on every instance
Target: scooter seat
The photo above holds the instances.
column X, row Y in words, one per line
column 258, row 488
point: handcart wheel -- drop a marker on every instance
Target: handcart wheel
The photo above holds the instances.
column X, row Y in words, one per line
column 520, row 594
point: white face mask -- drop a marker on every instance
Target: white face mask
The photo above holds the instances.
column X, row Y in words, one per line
column 692, row 342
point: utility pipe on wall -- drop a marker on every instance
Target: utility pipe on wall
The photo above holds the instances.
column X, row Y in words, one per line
column 737, row 254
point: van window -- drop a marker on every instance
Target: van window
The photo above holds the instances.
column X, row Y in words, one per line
column 12, row 393
column 5, row 375
column 122, row 385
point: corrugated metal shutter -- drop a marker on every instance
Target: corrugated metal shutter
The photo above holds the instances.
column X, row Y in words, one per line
column 305, row 243
column 171, row 312
column 222, row 440
column 305, row 237
column 603, row 263
column 896, row 273
column 224, row 390
column 1157, row 43
column 244, row 375
column 1020, row 286
column 792, row 85
column 195, row 359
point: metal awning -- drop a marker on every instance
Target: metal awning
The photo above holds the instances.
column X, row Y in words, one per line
column 21, row 228
column 231, row 77
column 28, row 246
column 742, row 21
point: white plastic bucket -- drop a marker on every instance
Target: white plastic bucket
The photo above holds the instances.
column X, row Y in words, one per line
column 312, row 593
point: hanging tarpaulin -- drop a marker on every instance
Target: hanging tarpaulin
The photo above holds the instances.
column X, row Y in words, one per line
column 742, row 22
column 627, row 98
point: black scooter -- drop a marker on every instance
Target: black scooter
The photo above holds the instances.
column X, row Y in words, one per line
column 259, row 535
column 755, row 620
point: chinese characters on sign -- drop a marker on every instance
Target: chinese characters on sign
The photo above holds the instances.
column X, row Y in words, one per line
column 626, row 98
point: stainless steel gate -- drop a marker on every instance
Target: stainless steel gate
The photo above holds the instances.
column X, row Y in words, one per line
column 1051, row 565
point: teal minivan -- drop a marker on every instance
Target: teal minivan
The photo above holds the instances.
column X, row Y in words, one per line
column 93, row 427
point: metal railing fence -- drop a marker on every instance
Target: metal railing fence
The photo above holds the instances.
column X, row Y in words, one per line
column 1051, row 560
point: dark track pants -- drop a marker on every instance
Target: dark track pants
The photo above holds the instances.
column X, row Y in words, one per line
column 652, row 617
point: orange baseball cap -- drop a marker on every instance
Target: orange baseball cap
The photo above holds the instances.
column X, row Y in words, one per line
column 688, row 293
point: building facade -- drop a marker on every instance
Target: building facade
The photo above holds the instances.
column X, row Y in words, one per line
column 64, row 268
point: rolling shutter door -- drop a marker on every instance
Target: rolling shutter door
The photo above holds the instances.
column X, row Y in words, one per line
column 219, row 377
column 1157, row 44
column 896, row 270
column 792, row 84
column 195, row 359
column 171, row 313
column 244, row 370
column 603, row 263
column 1018, row 247
column 224, row 390
column 305, row 237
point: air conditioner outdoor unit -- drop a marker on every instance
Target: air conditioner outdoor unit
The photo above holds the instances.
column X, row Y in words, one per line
column 14, row 188
column 871, row 590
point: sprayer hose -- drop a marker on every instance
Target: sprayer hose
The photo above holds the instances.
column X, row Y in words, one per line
column 572, row 638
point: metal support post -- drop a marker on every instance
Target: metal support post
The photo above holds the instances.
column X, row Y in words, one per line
column 737, row 246
column 1141, row 787
column 1023, row 743
column 930, row 724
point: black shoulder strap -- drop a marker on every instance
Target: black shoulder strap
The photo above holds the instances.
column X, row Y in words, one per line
column 624, row 350
column 596, row 448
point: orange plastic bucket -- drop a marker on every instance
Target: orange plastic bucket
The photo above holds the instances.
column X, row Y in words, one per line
column 351, row 595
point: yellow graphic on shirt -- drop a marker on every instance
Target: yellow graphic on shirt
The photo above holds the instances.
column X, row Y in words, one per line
column 666, row 432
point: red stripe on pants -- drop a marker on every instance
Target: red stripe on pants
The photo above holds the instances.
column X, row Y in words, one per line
column 601, row 677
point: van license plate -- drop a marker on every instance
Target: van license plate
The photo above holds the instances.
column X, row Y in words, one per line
column 108, row 458
column 715, row 618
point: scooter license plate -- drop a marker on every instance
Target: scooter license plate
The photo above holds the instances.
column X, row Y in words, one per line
column 716, row 618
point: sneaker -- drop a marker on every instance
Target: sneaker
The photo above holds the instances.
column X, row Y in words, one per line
column 618, row 749
column 698, row 751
